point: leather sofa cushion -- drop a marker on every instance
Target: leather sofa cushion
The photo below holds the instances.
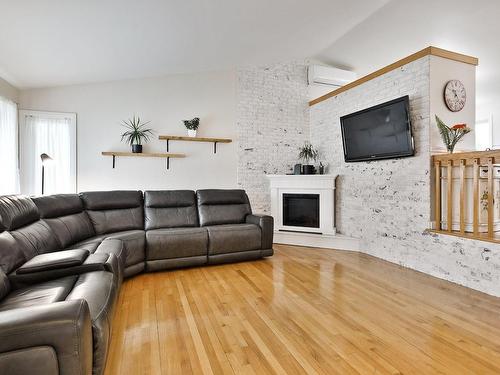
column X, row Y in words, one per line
column 11, row 256
column 108, row 221
column 134, row 243
column 51, row 206
column 111, row 200
column 4, row 285
column 170, row 209
column 222, row 206
column 114, row 211
column 71, row 228
column 37, row 360
column 102, row 244
column 55, row 260
column 65, row 216
column 36, row 238
column 94, row 262
column 115, row 247
column 17, row 211
column 47, row 292
column 231, row 238
column 176, row 243
column 100, row 290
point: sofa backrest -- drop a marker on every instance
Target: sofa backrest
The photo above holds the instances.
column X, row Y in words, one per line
column 65, row 216
column 222, row 206
column 19, row 216
column 114, row 211
column 11, row 256
column 170, row 209
column 4, row 285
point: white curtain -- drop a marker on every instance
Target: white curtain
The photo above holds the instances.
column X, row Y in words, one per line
column 51, row 135
column 9, row 171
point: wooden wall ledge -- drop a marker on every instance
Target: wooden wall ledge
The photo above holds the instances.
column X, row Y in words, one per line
column 434, row 51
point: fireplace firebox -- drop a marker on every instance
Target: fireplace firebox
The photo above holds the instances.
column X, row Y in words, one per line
column 301, row 210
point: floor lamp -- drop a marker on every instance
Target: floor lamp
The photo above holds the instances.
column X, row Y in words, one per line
column 45, row 160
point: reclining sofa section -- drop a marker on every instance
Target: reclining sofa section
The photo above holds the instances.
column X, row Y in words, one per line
column 63, row 258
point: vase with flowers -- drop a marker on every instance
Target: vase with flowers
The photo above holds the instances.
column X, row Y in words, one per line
column 451, row 135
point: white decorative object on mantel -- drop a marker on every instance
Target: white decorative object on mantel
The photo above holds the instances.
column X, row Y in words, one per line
column 321, row 235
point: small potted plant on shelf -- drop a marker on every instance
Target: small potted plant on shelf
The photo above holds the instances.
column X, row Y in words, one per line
column 192, row 126
column 308, row 153
column 451, row 135
column 136, row 133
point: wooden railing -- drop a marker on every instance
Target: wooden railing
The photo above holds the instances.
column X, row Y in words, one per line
column 444, row 165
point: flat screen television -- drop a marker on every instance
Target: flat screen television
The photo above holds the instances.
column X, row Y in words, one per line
column 379, row 132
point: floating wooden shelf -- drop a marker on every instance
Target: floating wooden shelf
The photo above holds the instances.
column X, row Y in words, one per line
column 167, row 156
column 194, row 139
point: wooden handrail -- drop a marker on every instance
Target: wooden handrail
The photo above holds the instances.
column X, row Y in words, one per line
column 475, row 162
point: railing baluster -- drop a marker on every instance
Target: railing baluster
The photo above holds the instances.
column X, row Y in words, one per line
column 475, row 198
column 437, row 198
column 462, row 196
column 449, row 197
column 490, row 197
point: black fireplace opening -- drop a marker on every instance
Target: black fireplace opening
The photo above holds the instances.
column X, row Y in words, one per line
column 301, row 210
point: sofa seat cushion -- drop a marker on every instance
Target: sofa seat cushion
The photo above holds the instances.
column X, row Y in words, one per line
column 232, row 238
column 35, row 360
column 100, row 291
column 47, row 292
column 176, row 243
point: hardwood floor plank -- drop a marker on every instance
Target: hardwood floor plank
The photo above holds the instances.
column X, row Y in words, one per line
column 303, row 311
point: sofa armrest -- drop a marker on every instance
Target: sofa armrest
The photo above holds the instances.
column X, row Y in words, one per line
column 93, row 262
column 266, row 224
column 63, row 326
column 54, row 261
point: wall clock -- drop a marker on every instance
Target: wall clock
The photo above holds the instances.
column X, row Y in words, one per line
column 455, row 95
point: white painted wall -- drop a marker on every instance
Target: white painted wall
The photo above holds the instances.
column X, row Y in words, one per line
column 441, row 71
column 163, row 101
column 8, row 91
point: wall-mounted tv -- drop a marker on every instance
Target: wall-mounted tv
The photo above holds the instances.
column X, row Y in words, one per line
column 379, row 132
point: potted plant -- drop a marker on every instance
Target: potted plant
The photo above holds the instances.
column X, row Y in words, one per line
column 308, row 153
column 451, row 136
column 136, row 133
column 192, row 126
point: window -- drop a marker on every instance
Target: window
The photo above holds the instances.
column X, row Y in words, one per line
column 53, row 134
column 9, row 172
column 484, row 133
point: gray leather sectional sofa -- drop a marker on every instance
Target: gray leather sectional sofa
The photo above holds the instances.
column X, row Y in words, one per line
column 63, row 259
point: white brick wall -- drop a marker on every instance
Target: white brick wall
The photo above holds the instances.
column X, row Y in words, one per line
column 384, row 203
column 273, row 122
column 387, row 203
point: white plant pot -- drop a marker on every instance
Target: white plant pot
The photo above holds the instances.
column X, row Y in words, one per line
column 191, row 133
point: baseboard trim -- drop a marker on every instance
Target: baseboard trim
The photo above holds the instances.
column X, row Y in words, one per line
column 337, row 241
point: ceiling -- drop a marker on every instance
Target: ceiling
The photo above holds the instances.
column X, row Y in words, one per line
column 61, row 42
column 403, row 27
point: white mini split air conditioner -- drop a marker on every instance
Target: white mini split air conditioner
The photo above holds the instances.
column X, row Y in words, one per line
column 327, row 75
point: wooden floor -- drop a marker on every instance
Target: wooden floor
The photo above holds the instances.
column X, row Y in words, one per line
column 303, row 311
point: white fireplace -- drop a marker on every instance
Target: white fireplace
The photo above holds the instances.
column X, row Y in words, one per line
column 303, row 207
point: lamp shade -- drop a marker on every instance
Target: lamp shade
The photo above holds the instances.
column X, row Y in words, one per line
column 45, row 158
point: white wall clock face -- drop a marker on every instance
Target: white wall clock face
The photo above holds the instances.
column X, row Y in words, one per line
column 455, row 95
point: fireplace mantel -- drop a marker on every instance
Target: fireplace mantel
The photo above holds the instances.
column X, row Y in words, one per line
column 322, row 236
